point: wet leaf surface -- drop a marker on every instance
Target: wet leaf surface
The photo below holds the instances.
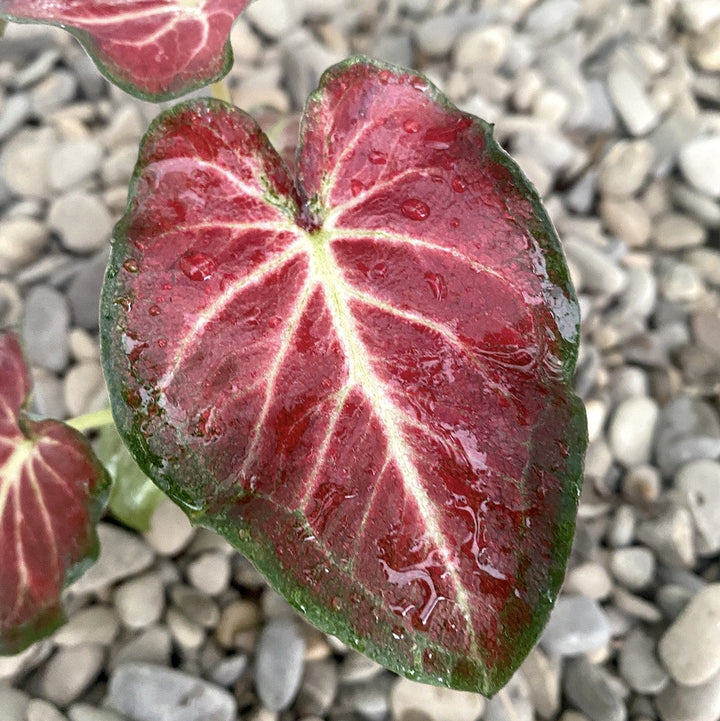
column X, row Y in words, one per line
column 154, row 49
column 360, row 377
column 52, row 492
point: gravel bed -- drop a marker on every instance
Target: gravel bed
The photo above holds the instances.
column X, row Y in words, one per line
column 613, row 110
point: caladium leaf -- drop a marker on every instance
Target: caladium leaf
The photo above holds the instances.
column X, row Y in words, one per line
column 52, row 492
column 154, row 49
column 360, row 378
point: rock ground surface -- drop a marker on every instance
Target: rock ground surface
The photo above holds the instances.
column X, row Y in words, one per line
column 613, row 110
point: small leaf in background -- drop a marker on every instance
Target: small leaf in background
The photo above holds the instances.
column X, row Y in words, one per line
column 52, row 493
column 360, row 377
column 133, row 496
column 154, row 49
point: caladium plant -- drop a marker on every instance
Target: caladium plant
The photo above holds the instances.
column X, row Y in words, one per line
column 359, row 375
column 52, row 493
column 154, row 49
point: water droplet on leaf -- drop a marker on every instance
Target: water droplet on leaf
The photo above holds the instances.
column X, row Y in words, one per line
column 458, row 184
column 356, row 187
column 411, row 126
column 131, row 265
column 415, row 209
column 438, row 285
column 377, row 157
column 154, row 310
column 197, row 266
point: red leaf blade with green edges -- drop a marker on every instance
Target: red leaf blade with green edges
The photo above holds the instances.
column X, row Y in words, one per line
column 154, row 49
column 361, row 379
column 52, row 492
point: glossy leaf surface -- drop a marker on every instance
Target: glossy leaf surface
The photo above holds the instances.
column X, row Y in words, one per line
column 360, row 377
column 154, row 49
column 52, row 491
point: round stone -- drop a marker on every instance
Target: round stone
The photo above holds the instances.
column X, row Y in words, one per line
column 698, row 162
column 690, row 648
column 279, row 663
column 21, row 239
column 407, row 697
column 631, row 430
column 81, row 220
column 633, row 567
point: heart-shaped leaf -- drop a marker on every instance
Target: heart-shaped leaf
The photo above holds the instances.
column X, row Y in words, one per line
column 362, row 380
column 154, row 49
column 52, row 492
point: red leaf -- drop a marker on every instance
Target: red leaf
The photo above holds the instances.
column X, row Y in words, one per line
column 52, row 490
column 154, row 49
column 364, row 383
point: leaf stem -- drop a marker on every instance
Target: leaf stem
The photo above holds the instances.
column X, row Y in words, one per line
column 220, row 91
column 89, row 421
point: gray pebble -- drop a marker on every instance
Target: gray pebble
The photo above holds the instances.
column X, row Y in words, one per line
column 635, row 606
column 53, row 92
column 690, row 703
column 21, row 240
column 623, row 169
column 210, row 573
column 196, row 605
column 69, row 672
column 408, row 697
column 600, row 273
column 588, row 579
column 81, row 220
column 588, row 688
column 551, row 18
column 631, row 100
column 95, row 624
column 40, row 710
column 84, row 290
column 670, row 535
column 73, row 162
column 37, row 69
column 642, row 485
column 229, row 670
column 577, row 625
column 279, row 663
column 275, row 18
column 690, row 648
column 319, row 688
column 688, row 429
column 13, row 703
column 151, row 646
column 140, row 601
column 633, row 567
column 86, row 712
column 170, row 530
column 144, row 692
column 542, row 674
column 699, row 481
column 436, row 36
column 698, row 164
column 638, row 664
column 674, row 231
column 13, row 113
column 631, row 430
column 122, row 554
column 24, row 161
column 45, row 328
column 118, row 167
column 512, row 703
column 369, row 700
